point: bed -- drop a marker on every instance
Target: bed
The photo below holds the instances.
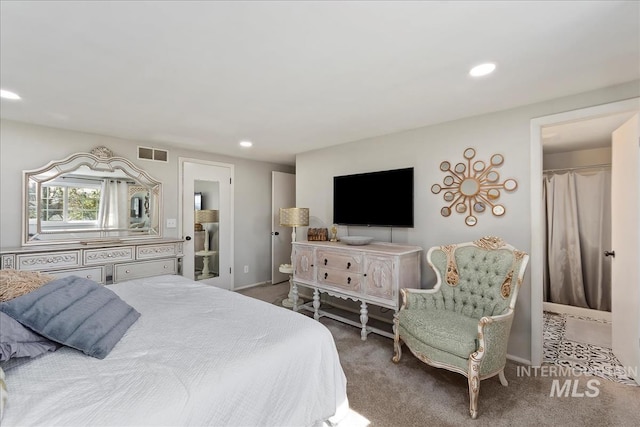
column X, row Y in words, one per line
column 198, row 356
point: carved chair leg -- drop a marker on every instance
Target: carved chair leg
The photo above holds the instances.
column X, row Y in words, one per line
column 474, row 390
column 397, row 342
column 503, row 379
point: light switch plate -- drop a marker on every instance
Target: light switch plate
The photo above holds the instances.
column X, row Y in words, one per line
column 172, row 223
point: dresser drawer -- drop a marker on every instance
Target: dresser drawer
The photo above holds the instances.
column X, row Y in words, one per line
column 101, row 256
column 48, row 261
column 92, row 273
column 341, row 279
column 136, row 270
column 340, row 260
column 156, row 251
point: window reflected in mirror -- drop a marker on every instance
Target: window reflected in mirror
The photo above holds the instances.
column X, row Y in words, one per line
column 90, row 196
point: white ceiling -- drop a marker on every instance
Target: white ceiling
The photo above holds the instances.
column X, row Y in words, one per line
column 297, row 76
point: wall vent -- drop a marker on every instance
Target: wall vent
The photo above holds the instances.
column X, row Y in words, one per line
column 154, row 154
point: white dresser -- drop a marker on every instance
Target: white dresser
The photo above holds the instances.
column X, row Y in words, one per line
column 102, row 262
column 370, row 274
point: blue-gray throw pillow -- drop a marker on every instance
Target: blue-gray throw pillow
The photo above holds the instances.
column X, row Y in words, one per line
column 16, row 340
column 76, row 312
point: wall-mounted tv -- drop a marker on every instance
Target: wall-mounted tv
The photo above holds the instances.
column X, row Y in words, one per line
column 375, row 199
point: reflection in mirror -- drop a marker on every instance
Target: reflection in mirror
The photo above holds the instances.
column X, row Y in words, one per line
column 469, row 187
column 90, row 197
column 206, row 217
column 497, row 159
column 478, row 166
column 469, row 153
column 473, row 186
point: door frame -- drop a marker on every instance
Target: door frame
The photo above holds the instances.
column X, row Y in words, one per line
column 181, row 161
column 536, row 262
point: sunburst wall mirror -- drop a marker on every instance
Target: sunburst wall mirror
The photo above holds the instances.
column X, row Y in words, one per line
column 471, row 187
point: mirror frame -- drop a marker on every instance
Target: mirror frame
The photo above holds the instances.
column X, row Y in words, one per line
column 485, row 182
column 99, row 159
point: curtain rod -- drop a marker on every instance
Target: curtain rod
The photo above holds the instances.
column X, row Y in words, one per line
column 602, row 165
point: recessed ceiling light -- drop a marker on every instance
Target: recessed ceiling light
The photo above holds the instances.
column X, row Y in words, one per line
column 6, row 94
column 482, row 69
column 246, row 144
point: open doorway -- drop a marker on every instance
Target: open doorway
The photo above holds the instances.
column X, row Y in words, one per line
column 539, row 127
column 577, row 200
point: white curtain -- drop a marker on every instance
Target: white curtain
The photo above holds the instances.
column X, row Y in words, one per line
column 578, row 212
column 114, row 204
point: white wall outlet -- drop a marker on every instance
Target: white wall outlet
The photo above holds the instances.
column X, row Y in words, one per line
column 246, row 268
column 172, row 223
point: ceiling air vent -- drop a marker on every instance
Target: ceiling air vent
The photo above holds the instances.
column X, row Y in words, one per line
column 148, row 153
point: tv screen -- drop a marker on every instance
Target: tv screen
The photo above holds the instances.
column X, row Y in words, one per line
column 382, row 199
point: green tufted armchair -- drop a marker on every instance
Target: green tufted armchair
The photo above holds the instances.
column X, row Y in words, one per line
column 463, row 323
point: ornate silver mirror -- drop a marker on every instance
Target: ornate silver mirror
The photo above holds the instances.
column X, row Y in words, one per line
column 90, row 197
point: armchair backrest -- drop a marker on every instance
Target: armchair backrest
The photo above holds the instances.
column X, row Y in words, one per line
column 479, row 278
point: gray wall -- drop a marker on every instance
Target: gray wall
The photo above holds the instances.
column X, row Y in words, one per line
column 24, row 147
column 506, row 132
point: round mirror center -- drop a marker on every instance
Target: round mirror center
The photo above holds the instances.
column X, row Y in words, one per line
column 469, row 187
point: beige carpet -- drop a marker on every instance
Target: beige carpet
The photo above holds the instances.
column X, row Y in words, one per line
column 588, row 331
column 410, row 393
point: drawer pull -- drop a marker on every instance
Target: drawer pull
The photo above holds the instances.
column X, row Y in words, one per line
column 348, row 280
column 348, row 265
column 325, row 275
column 109, row 255
column 165, row 266
column 325, row 261
column 89, row 276
column 127, row 271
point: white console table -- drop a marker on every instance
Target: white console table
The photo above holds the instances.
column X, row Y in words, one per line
column 370, row 274
column 104, row 262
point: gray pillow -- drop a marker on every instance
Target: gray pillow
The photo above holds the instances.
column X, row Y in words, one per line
column 76, row 312
column 19, row 341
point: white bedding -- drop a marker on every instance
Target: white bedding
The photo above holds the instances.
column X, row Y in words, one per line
column 198, row 356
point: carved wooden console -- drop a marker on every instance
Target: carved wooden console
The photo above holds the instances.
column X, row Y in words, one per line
column 102, row 262
column 371, row 274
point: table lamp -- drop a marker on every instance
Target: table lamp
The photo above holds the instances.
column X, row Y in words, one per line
column 292, row 217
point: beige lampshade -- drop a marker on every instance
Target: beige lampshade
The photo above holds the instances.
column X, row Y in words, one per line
column 294, row 217
column 205, row 216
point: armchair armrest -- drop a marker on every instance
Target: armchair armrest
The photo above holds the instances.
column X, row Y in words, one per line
column 421, row 298
column 493, row 338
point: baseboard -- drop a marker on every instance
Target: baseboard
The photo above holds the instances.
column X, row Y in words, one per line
column 576, row 311
column 252, row 285
column 519, row 360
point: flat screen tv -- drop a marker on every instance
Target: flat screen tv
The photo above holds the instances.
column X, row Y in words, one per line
column 374, row 199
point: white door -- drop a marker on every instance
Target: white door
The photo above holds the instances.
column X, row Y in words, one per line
column 283, row 195
column 625, row 238
column 208, row 254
